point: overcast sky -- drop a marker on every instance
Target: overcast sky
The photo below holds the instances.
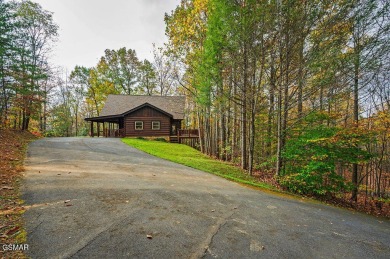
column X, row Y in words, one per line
column 89, row 27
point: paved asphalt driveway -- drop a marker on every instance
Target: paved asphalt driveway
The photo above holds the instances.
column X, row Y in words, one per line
column 117, row 195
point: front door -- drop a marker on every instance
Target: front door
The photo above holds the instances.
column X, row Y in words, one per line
column 173, row 129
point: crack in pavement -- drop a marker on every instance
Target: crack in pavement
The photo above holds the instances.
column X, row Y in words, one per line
column 35, row 228
column 204, row 246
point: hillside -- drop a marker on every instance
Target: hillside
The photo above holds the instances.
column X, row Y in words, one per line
column 13, row 147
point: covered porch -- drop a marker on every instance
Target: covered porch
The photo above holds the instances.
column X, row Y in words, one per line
column 107, row 126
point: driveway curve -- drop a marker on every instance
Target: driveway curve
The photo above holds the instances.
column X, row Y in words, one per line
column 99, row 198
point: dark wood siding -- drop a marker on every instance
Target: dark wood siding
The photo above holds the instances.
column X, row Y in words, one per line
column 147, row 115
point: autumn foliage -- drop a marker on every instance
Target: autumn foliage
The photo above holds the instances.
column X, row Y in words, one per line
column 12, row 152
column 294, row 88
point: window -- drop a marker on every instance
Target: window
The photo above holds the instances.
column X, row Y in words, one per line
column 139, row 125
column 155, row 125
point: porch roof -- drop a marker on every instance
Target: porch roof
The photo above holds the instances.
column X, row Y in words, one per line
column 110, row 118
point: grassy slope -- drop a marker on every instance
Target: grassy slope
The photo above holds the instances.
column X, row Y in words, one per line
column 188, row 156
column 185, row 155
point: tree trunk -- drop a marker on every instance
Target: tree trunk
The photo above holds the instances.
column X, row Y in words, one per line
column 252, row 131
column 201, row 131
column 244, row 161
column 271, row 106
column 234, row 128
column 356, row 121
column 279, row 135
column 300, row 81
column 223, row 134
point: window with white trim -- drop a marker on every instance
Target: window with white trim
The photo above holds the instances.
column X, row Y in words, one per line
column 155, row 125
column 139, row 125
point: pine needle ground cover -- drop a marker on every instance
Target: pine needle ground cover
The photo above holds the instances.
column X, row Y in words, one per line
column 13, row 147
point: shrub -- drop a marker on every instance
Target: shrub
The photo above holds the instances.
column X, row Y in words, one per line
column 312, row 153
column 160, row 139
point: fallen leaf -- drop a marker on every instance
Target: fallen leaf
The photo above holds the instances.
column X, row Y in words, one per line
column 69, row 172
column 58, row 174
column 12, row 230
column 7, row 188
column 212, row 210
column 149, row 236
column 68, row 204
column 66, row 201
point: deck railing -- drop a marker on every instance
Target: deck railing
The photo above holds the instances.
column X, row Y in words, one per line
column 188, row 133
column 113, row 133
column 120, row 133
column 189, row 137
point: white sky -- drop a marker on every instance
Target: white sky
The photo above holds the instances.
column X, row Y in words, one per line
column 88, row 27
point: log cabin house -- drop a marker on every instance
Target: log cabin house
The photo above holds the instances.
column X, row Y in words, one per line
column 141, row 116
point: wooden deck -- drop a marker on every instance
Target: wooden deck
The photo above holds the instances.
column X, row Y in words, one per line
column 185, row 134
column 113, row 133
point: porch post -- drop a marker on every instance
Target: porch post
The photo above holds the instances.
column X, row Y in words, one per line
column 104, row 133
column 92, row 129
column 98, row 129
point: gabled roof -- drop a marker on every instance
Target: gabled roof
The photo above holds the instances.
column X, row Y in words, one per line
column 121, row 104
column 147, row 105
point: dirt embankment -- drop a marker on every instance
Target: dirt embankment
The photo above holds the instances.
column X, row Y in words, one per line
column 13, row 146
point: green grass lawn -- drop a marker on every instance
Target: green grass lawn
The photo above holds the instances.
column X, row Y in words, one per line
column 185, row 155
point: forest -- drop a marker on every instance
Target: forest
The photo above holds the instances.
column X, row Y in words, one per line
column 291, row 90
